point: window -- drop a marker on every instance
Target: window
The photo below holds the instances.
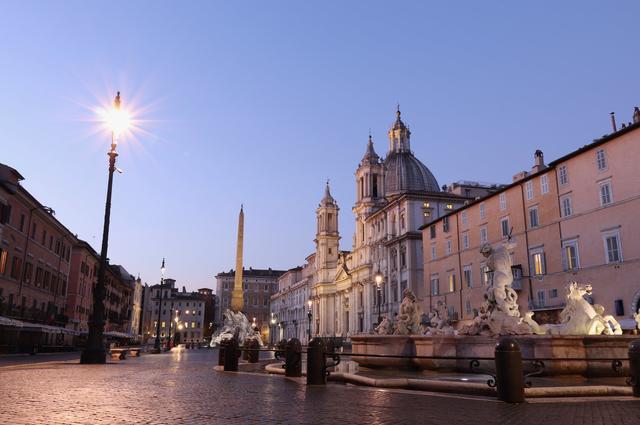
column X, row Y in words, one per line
column 533, row 217
column 5, row 213
column 34, row 227
column 570, row 258
column 504, row 226
column 374, row 186
column 468, row 278
column 449, row 249
column 529, row 190
column 563, row 175
column 445, row 224
column 484, row 274
column 468, row 308
column 432, row 231
column 544, row 184
column 482, row 211
column 402, row 221
column 503, row 201
column 3, row 261
column 465, row 240
column 449, row 206
column 537, row 262
column 16, row 266
column 613, row 250
column 553, row 293
column 403, row 257
column 452, row 282
column 433, row 252
column 541, row 299
column 565, row 203
column 483, row 235
column 434, row 284
column 463, row 217
column 605, row 193
column 22, row 222
column 601, row 160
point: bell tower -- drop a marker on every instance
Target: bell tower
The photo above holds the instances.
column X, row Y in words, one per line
column 327, row 235
column 369, row 189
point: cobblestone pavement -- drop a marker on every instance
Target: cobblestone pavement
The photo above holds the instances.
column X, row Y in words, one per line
column 182, row 388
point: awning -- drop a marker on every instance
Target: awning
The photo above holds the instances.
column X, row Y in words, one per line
column 6, row 321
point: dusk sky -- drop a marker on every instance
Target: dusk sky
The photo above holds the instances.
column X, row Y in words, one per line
column 260, row 102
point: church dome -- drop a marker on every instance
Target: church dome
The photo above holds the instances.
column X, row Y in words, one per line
column 405, row 173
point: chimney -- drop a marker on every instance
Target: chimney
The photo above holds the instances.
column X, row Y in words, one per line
column 636, row 115
column 519, row 176
column 613, row 122
column 539, row 162
column 184, row 289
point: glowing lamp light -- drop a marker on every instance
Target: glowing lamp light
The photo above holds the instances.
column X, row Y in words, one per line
column 115, row 119
column 378, row 279
column 309, row 303
column 180, row 327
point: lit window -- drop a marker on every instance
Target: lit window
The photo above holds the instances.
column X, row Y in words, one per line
column 529, row 190
column 468, row 277
column 537, row 262
column 570, row 254
column 563, row 175
column 533, row 217
column 162, row 324
column 544, row 184
column 566, row 206
column 601, row 159
column 483, row 235
column 449, row 206
column 425, row 205
column 612, row 247
column 452, row 282
column 605, row 193
column 503, row 201
column 482, row 211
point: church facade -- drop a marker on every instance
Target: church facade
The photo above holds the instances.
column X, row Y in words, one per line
column 395, row 196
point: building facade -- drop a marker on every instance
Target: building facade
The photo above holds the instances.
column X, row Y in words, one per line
column 395, row 196
column 35, row 254
column 289, row 310
column 571, row 220
column 182, row 313
column 258, row 286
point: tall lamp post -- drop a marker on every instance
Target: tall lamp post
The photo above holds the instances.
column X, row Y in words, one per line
column 379, row 289
column 95, row 353
column 309, row 317
column 156, row 348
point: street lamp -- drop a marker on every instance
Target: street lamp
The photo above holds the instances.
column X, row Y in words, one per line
column 273, row 328
column 379, row 278
column 94, row 353
column 156, row 346
column 309, row 316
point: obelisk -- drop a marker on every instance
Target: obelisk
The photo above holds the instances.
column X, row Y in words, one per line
column 237, row 297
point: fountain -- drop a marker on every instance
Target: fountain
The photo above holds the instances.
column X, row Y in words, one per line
column 585, row 332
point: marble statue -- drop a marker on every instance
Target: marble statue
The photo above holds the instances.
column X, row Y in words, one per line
column 636, row 317
column 578, row 317
column 236, row 324
column 500, row 311
column 385, row 327
column 408, row 320
column 437, row 325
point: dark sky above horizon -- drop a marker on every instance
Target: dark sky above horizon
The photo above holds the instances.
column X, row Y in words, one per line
column 260, row 102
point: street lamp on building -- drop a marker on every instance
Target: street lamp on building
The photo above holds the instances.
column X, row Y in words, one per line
column 309, row 317
column 379, row 278
column 156, row 347
column 117, row 121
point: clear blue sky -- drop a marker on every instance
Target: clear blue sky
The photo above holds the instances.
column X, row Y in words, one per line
column 260, row 102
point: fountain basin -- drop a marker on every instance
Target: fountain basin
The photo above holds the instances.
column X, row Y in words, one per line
column 562, row 355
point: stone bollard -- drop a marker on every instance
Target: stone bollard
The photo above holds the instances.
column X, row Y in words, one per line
column 509, row 376
column 245, row 353
column 231, row 355
column 634, row 366
column 221, row 353
column 254, row 355
column 316, row 369
column 293, row 358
